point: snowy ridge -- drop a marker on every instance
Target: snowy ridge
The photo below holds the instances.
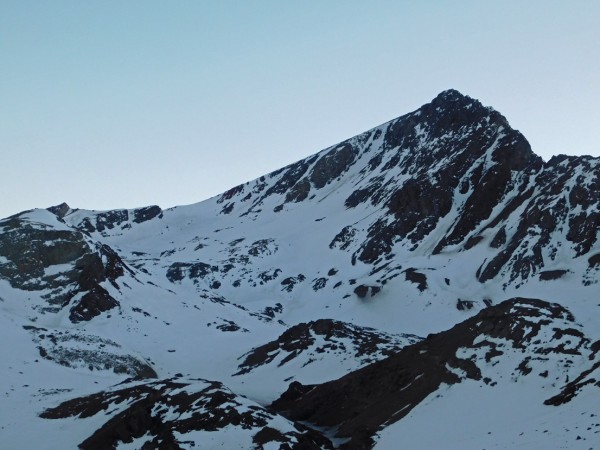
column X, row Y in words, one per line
column 179, row 413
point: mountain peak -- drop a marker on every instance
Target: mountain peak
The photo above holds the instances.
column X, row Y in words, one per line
column 60, row 210
column 454, row 98
column 451, row 109
column 452, row 94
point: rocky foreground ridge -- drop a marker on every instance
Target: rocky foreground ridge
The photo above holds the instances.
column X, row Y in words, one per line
column 341, row 301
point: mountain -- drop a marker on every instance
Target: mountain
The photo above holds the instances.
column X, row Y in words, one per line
column 430, row 283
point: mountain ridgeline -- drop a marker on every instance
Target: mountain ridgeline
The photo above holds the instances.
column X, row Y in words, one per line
column 335, row 302
column 452, row 158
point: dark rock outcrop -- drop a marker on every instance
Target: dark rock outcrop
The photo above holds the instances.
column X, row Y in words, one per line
column 332, row 164
column 157, row 414
column 60, row 210
column 109, row 220
column 362, row 343
column 358, row 404
column 362, row 290
column 63, row 264
column 93, row 303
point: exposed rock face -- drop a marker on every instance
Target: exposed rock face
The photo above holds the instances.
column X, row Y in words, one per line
column 60, row 210
column 121, row 218
column 29, row 251
column 332, row 165
column 179, row 271
column 144, row 214
column 589, row 378
column 363, row 291
column 62, row 263
column 162, row 414
column 363, row 344
column 358, row 404
column 420, row 279
column 94, row 302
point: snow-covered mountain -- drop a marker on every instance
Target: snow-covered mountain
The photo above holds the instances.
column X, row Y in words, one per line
column 430, row 283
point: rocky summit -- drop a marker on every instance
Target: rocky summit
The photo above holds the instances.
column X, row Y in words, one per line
column 429, row 283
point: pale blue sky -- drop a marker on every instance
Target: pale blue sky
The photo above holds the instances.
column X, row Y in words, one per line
column 108, row 104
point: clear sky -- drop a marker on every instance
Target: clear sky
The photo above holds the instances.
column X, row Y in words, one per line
column 109, row 104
